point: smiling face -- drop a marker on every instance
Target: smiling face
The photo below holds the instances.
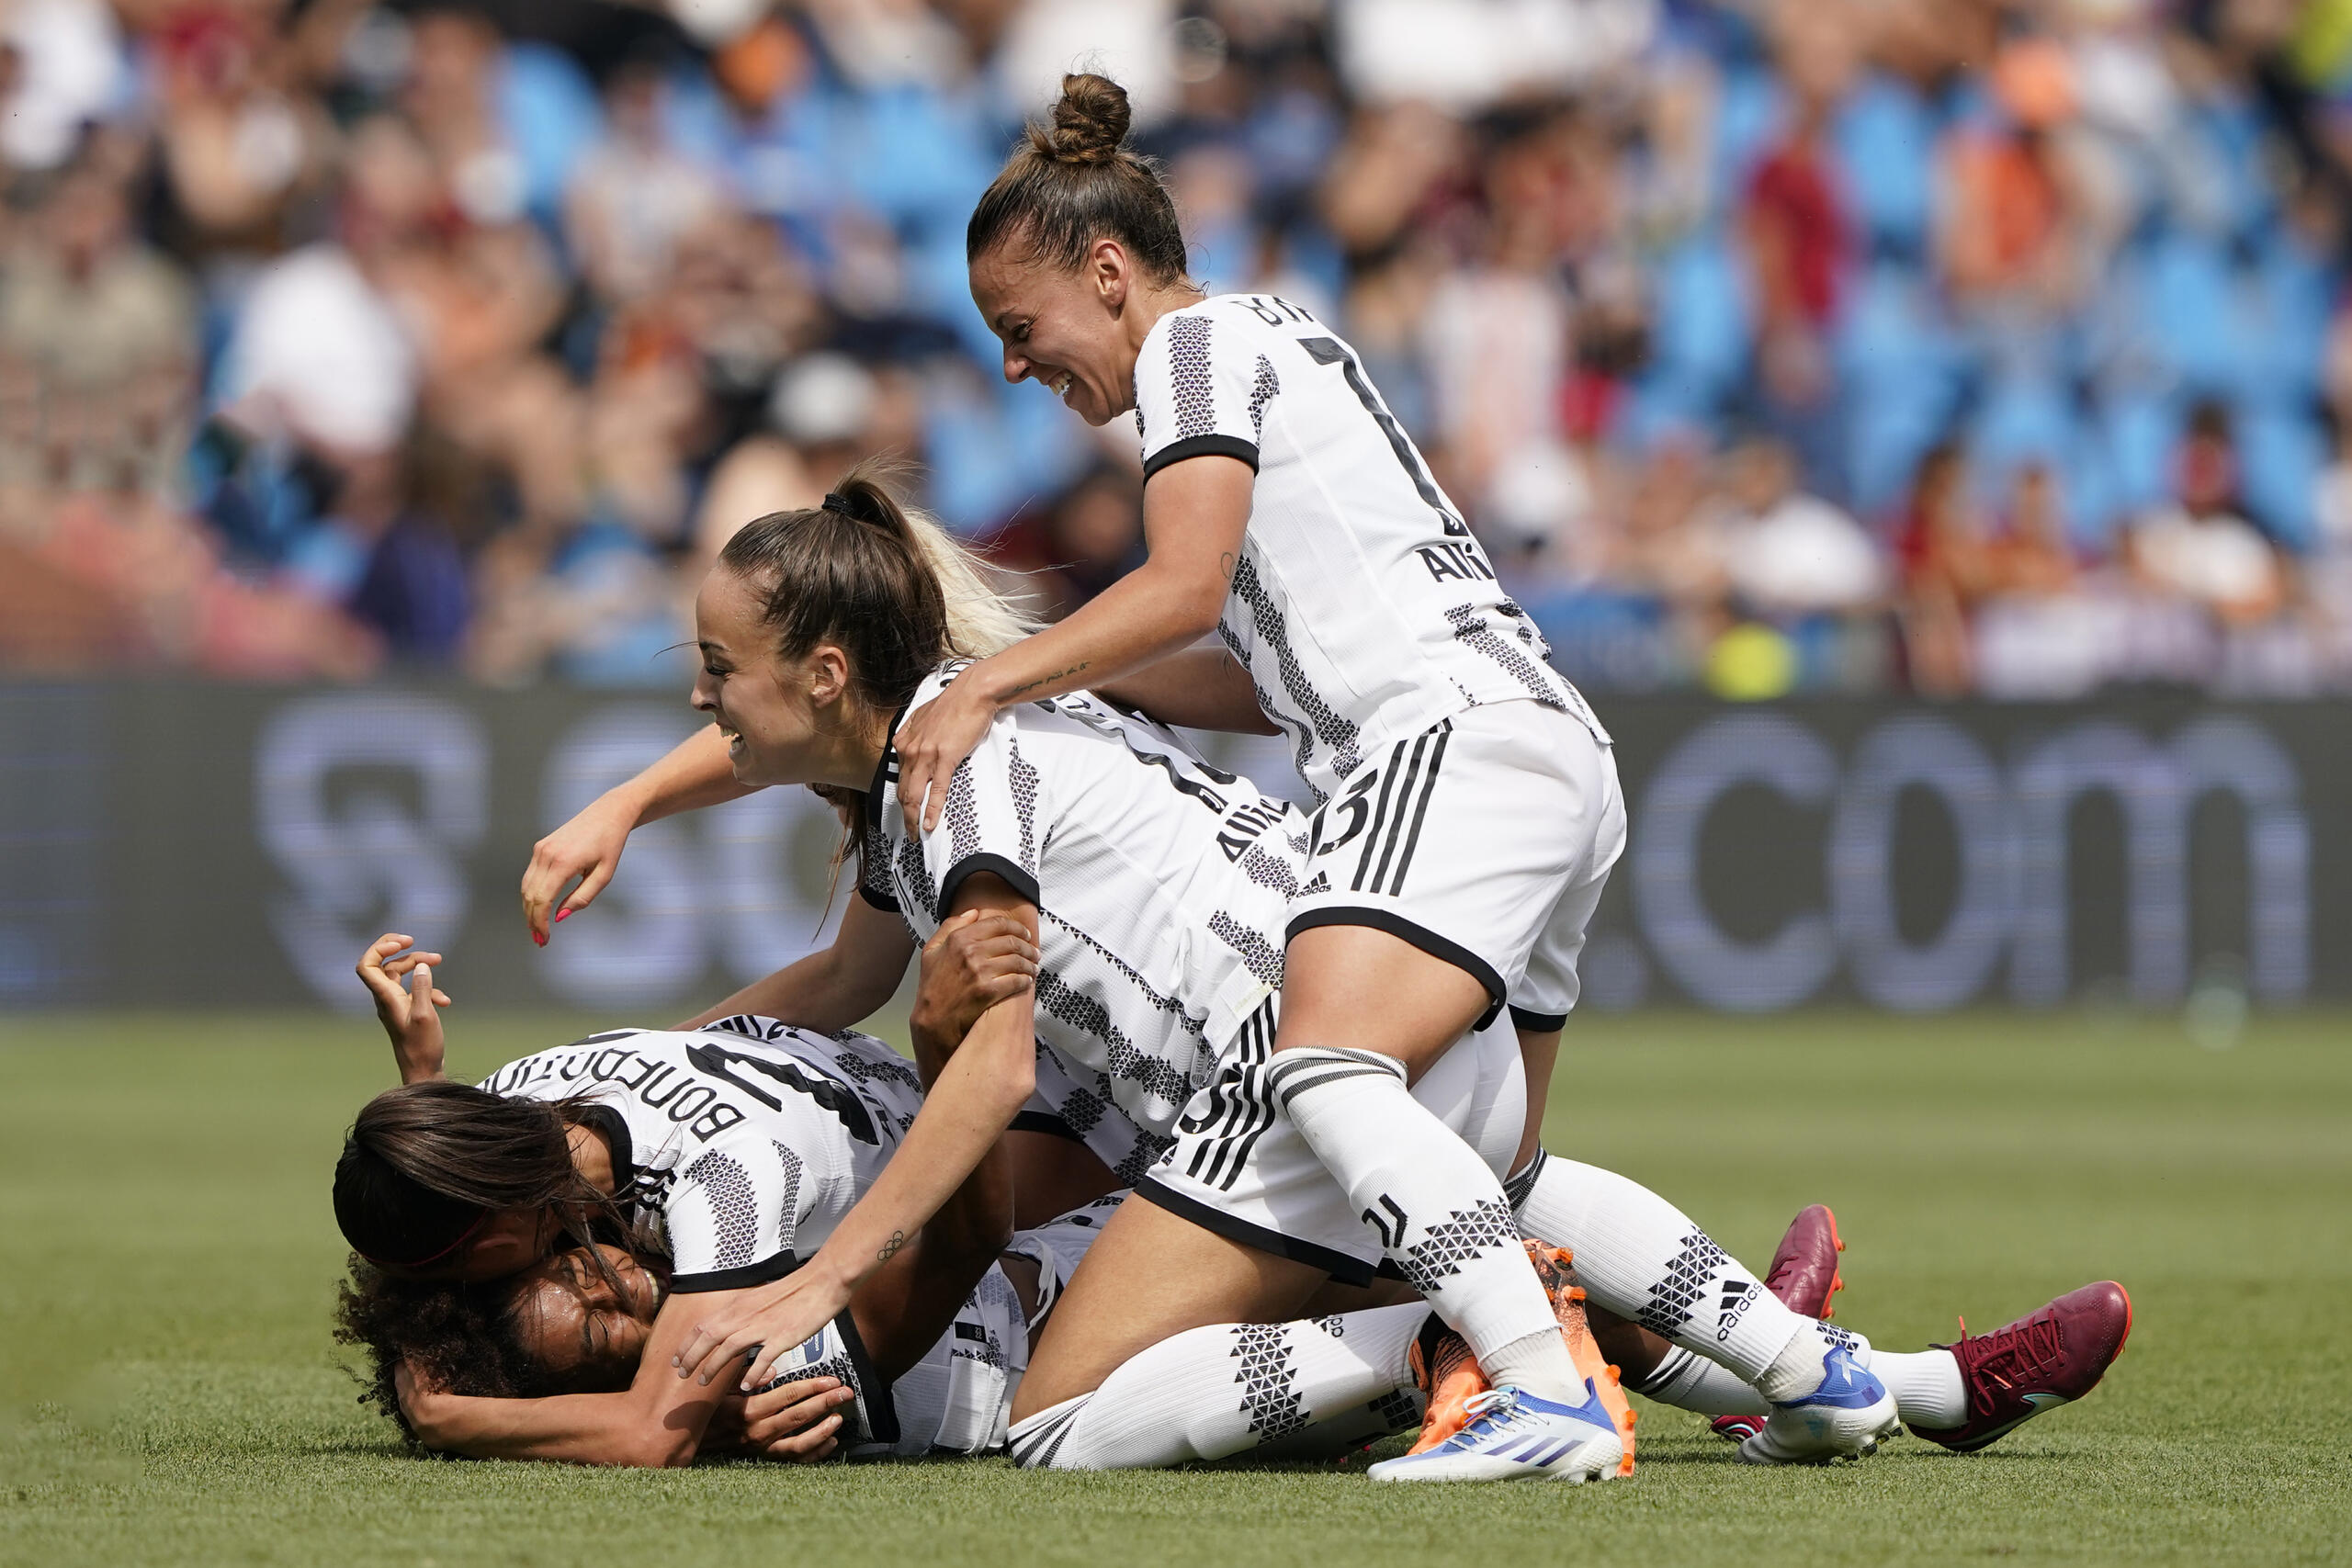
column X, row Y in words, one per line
column 582, row 1328
column 767, row 707
column 1077, row 330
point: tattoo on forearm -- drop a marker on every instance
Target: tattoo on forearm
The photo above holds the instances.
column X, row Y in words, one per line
column 890, row 1247
column 1048, row 680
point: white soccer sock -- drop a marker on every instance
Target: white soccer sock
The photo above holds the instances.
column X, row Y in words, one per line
column 1643, row 1258
column 1925, row 1384
column 1441, row 1215
column 1214, row 1392
column 1691, row 1381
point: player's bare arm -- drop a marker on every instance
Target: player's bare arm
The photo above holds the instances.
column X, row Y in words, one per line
column 587, row 849
column 988, row 1077
column 836, row 987
column 1199, row 688
column 1194, row 513
column 656, row 1421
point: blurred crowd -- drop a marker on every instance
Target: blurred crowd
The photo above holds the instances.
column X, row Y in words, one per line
column 1991, row 346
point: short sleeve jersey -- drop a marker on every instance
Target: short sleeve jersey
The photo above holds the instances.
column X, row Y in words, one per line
column 1362, row 607
column 738, row 1145
column 1160, row 883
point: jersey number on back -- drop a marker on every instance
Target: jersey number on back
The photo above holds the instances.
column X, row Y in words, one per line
column 1330, row 351
column 843, row 1102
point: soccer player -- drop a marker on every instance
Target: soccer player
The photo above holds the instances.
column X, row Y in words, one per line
column 1155, row 888
column 1469, row 810
column 729, row 1149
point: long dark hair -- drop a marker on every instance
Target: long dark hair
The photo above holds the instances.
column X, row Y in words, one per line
column 425, row 1163
column 1076, row 181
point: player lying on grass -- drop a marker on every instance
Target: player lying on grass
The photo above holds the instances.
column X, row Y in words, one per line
column 478, row 1366
column 721, row 1151
column 1158, row 884
column 578, row 1323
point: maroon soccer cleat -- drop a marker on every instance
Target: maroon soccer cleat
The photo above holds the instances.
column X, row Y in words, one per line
column 1803, row 1275
column 2042, row 1360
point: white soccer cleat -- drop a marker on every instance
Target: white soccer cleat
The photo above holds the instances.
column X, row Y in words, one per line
column 1847, row 1417
column 1514, row 1435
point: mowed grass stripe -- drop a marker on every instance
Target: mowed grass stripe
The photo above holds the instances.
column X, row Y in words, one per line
column 168, row 1392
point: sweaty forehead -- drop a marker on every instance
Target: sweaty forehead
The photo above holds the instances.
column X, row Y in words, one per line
column 550, row 1320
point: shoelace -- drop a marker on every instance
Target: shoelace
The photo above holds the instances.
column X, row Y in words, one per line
column 1504, row 1402
column 2022, row 1351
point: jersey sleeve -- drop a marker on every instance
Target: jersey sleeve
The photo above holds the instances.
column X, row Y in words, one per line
column 991, row 819
column 1200, row 390
column 732, row 1214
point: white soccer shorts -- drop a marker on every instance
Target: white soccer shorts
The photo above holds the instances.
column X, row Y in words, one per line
column 1066, row 1104
column 1484, row 841
column 1240, row 1168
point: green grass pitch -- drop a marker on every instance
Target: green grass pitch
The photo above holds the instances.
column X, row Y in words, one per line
column 168, row 1392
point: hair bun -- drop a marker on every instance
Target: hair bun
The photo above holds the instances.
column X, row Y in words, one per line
column 1090, row 119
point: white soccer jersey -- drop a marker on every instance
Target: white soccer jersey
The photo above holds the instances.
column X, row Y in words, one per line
column 1160, row 883
column 740, row 1145
column 1362, row 607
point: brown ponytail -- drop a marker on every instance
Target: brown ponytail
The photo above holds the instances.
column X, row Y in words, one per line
column 1076, row 181
column 884, row 584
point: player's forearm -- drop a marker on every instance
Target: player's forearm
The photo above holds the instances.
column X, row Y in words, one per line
column 573, row 1428
column 1200, row 688
column 914, row 1299
column 1152, row 612
column 800, row 993
column 695, row 774
column 988, row 1079
column 832, row 990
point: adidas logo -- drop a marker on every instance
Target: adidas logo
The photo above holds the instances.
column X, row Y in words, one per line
column 1738, row 1296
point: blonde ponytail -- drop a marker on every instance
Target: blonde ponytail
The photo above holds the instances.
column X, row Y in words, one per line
column 981, row 619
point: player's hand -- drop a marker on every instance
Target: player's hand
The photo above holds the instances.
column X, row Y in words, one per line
column 770, row 1319
column 931, row 742
column 797, row 1422
column 421, row 1401
column 972, row 962
column 588, row 847
column 405, row 998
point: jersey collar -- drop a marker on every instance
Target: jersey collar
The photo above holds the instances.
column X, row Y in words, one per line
column 886, row 771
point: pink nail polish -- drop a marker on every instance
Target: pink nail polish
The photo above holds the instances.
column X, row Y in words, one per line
column 561, row 916
column 539, row 937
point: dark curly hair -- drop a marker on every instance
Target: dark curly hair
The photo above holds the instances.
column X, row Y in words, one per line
column 460, row 1337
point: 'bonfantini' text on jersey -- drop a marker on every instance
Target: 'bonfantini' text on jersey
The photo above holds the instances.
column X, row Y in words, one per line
column 740, row 1145
column 1361, row 605
column 1160, row 885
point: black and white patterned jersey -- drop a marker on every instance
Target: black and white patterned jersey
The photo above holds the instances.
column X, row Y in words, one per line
column 1362, row 607
column 737, row 1146
column 1160, row 884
